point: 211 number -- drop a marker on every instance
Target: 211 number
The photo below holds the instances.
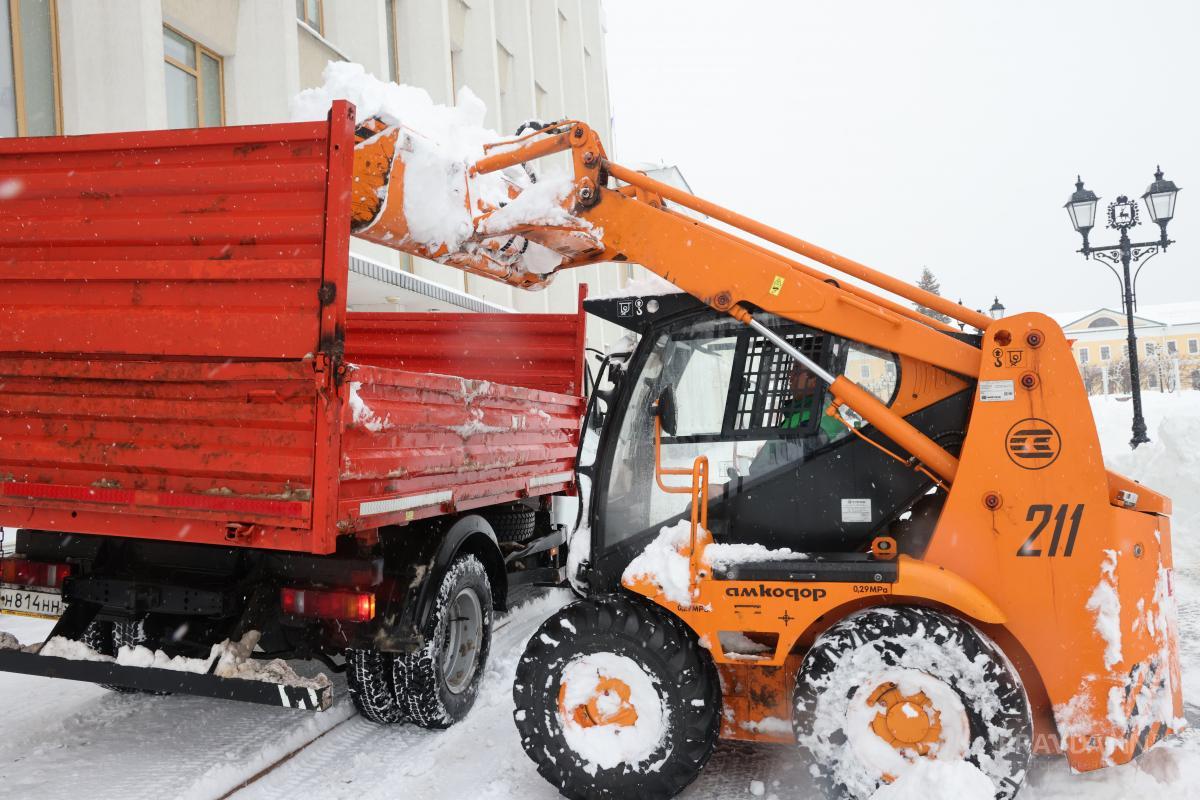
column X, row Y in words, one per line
column 1060, row 516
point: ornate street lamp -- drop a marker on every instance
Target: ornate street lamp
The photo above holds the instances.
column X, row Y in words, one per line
column 997, row 309
column 1082, row 208
column 1123, row 215
column 1160, row 200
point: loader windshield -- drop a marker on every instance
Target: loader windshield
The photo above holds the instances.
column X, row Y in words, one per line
column 741, row 402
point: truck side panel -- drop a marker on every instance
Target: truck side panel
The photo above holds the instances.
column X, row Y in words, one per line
column 537, row 351
column 173, row 306
column 417, row 445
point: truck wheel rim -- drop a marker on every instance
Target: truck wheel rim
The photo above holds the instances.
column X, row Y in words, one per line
column 462, row 641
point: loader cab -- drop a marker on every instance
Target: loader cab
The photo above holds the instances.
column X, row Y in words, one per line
column 783, row 473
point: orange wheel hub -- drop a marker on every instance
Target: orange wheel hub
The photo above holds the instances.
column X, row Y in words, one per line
column 908, row 722
column 608, row 704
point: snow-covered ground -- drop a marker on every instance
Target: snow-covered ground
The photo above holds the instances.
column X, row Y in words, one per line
column 63, row 739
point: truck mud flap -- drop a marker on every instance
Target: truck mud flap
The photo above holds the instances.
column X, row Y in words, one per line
column 154, row 679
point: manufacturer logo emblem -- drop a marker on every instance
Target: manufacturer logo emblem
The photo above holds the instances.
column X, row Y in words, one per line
column 1033, row 443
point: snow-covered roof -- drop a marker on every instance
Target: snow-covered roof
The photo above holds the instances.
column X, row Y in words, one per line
column 1161, row 313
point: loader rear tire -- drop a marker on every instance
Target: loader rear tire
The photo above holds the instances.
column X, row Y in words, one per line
column 644, row 675
column 925, row 666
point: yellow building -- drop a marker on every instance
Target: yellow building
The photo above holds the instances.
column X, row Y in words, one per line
column 1168, row 341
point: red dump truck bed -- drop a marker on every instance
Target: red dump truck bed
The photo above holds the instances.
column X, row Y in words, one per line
column 177, row 361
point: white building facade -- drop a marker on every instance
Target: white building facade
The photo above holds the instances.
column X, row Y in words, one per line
column 92, row 66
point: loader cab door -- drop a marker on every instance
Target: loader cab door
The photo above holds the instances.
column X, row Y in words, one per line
column 776, row 477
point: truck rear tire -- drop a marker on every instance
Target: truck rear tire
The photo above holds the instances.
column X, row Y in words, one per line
column 512, row 523
column 369, row 677
column 437, row 684
column 107, row 638
column 616, row 665
column 954, row 693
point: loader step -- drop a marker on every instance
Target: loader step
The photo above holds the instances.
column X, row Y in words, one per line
column 155, row 679
column 862, row 569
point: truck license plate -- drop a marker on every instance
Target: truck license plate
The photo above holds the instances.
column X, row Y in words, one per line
column 26, row 602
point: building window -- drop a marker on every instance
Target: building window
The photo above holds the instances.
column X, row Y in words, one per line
column 1172, row 347
column 1193, row 346
column 312, row 14
column 504, row 76
column 1083, row 355
column 195, row 83
column 1103, row 322
column 1151, row 349
column 458, row 11
column 30, row 99
column 1105, row 352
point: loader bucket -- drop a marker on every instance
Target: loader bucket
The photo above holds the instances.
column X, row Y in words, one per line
column 409, row 195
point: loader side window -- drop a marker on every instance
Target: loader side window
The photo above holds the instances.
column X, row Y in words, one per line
column 767, row 382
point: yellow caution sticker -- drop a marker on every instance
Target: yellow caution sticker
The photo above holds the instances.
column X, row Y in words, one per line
column 777, row 286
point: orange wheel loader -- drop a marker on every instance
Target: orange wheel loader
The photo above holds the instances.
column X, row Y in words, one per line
column 811, row 515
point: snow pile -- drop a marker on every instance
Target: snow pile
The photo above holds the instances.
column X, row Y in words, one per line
column 724, row 556
column 664, row 561
column 934, row 779
column 649, row 286
column 607, row 746
column 772, row 726
column 1170, row 463
column 1105, row 603
column 232, row 660
column 363, row 416
column 539, row 204
column 664, row 565
column 438, row 145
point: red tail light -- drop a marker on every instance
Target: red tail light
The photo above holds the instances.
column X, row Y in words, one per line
column 23, row 572
column 328, row 604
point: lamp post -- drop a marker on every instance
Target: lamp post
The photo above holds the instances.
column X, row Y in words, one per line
column 997, row 310
column 1123, row 215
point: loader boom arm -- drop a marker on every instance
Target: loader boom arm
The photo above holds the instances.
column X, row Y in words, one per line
column 728, row 272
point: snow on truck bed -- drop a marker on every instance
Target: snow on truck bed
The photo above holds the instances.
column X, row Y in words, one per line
column 441, row 143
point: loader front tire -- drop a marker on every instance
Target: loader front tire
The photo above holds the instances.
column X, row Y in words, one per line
column 615, row 698
column 887, row 686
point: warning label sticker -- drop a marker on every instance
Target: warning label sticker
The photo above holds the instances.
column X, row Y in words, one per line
column 856, row 509
column 996, row 391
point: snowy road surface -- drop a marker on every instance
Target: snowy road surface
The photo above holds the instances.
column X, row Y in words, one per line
column 60, row 739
